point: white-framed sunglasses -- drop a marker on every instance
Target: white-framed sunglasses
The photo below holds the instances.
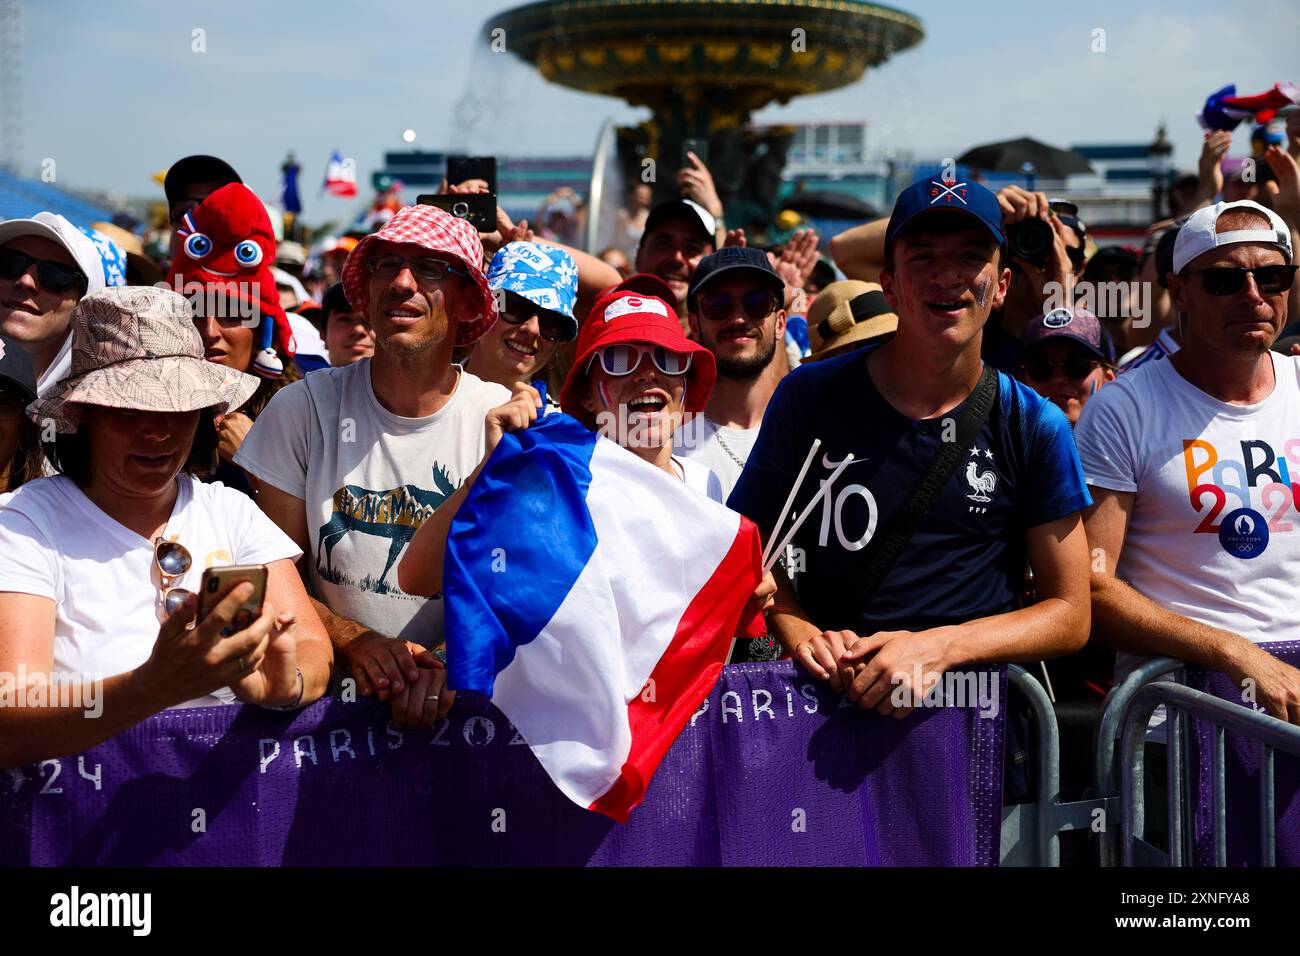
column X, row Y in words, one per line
column 625, row 357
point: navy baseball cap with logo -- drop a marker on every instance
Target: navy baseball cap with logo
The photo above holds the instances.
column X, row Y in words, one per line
column 730, row 258
column 1074, row 323
column 934, row 194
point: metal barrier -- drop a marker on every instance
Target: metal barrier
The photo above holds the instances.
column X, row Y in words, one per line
column 1031, row 832
column 1182, row 703
column 1105, row 772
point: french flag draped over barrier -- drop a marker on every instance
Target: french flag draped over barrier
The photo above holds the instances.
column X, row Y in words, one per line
column 594, row 598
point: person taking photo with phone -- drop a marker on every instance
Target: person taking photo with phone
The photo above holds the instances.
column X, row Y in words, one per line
column 100, row 564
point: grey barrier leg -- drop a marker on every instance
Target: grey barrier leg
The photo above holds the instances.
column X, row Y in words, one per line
column 1106, row 778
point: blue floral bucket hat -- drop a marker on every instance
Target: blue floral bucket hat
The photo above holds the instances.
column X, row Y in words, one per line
column 544, row 275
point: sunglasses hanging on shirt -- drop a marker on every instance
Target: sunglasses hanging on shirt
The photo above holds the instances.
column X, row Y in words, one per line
column 173, row 562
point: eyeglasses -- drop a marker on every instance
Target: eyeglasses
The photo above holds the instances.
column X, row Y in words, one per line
column 553, row 326
column 425, row 268
column 756, row 304
column 173, row 563
column 53, row 276
column 1228, row 280
column 1077, row 255
column 624, row 359
column 1076, row 367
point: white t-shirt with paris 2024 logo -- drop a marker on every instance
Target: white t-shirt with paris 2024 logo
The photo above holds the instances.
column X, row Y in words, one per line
column 1215, row 529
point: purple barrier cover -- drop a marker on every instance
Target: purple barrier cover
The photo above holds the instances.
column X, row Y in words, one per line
column 775, row 769
column 1242, row 760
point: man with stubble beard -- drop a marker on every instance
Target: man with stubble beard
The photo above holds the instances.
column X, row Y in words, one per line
column 736, row 300
column 353, row 460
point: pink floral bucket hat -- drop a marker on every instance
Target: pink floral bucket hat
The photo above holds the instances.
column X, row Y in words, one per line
column 436, row 232
column 136, row 347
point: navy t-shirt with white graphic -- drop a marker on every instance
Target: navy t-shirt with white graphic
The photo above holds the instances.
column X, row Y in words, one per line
column 967, row 558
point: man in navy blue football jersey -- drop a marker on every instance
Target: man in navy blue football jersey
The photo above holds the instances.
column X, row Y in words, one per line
column 951, row 597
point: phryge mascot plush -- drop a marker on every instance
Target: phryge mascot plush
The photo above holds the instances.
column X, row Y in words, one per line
column 227, row 243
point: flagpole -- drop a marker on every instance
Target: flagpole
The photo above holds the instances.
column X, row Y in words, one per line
column 821, row 493
column 794, row 490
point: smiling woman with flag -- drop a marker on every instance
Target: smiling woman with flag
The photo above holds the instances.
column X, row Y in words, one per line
column 591, row 593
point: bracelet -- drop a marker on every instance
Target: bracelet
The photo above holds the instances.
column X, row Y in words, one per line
column 297, row 702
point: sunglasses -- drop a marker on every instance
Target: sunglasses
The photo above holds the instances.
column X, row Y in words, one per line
column 624, row 359
column 757, row 305
column 553, row 327
column 53, row 276
column 1229, row 280
column 173, row 563
column 1076, row 368
column 425, row 268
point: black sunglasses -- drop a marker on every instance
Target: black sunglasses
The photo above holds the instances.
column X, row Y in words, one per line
column 553, row 326
column 757, row 304
column 53, row 276
column 1076, row 367
column 1228, row 280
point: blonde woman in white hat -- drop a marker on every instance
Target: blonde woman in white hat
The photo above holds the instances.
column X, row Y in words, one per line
column 100, row 565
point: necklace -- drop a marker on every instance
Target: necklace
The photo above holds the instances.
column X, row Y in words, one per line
column 717, row 433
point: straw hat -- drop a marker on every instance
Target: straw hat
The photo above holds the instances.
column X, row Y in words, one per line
column 845, row 315
column 136, row 347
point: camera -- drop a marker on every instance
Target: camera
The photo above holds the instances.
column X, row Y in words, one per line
column 1031, row 239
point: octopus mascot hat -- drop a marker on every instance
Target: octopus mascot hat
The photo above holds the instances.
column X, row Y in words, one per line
column 227, row 243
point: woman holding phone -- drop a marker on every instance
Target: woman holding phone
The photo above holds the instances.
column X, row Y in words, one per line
column 100, row 565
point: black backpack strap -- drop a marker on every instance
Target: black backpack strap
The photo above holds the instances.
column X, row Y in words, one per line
column 887, row 545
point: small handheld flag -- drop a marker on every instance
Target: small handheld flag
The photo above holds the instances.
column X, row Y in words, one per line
column 341, row 176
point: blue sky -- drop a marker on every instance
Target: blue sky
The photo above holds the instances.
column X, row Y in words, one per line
column 112, row 91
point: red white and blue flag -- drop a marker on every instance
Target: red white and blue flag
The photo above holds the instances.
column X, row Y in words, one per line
column 594, row 598
column 341, row 176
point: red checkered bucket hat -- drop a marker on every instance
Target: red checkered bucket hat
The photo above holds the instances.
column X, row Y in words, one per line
column 438, row 233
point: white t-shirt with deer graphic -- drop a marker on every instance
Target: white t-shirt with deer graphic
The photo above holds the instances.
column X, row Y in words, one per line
column 369, row 479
